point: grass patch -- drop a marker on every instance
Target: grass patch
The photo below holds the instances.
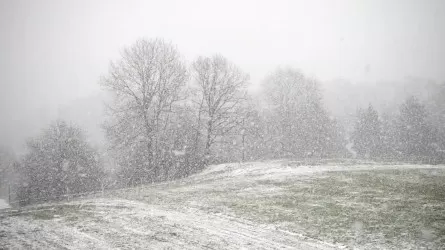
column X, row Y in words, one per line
column 67, row 212
column 386, row 208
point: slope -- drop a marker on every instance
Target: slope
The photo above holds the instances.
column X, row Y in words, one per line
column 265, row 205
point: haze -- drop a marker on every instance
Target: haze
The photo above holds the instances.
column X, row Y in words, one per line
column 52, row 53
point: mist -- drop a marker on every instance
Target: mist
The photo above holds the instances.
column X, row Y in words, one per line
column 53, row 53
column 283, row 124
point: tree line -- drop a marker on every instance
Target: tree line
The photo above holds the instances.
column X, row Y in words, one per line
column 410, row 135
column 169, row 119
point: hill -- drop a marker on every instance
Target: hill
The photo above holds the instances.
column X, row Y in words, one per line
column 264, row 205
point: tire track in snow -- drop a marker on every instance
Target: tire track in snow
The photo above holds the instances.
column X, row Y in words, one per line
column 124, row 224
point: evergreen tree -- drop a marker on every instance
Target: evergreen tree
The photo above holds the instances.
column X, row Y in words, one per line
column 367, row 136
column 301, row 125
column 389, row 137
column 59, row 162
column 436, row 109
column 416, row 138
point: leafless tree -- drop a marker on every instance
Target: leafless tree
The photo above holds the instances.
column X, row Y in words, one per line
column 147, row 82
column 220, row 94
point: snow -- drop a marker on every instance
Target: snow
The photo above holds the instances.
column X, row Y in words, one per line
column 283, row 169
column 178, row 152
column 125, row 224
column 187, row 214
column 3, row 204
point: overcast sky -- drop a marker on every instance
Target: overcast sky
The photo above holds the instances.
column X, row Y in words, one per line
column 52, row 52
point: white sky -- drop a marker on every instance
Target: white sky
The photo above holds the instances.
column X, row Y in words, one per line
column 52, row 52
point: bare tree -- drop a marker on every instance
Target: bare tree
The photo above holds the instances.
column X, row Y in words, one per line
column 221, row 92
column 146, row 82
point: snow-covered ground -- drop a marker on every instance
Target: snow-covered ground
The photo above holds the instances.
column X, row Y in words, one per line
column 3, row 204
column 265, row 205
column 116, row 223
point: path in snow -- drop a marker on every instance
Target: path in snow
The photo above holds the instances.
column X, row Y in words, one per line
column 124, row 224
column 185, row 214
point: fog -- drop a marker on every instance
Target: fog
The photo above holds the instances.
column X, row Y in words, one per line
column 52, row 53
column 222, row 124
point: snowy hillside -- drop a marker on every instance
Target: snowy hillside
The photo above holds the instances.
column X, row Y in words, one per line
column 272, row 205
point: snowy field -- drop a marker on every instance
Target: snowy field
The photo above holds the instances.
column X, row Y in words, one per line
column 272, row 205
column 3, row 204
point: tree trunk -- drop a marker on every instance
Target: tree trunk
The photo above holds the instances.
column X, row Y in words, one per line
column 208, row 140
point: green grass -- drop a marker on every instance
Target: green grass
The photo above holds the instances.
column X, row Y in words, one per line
column 390, row 208
column 67, row 212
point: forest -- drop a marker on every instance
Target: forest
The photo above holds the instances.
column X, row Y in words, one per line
column 169, row 118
